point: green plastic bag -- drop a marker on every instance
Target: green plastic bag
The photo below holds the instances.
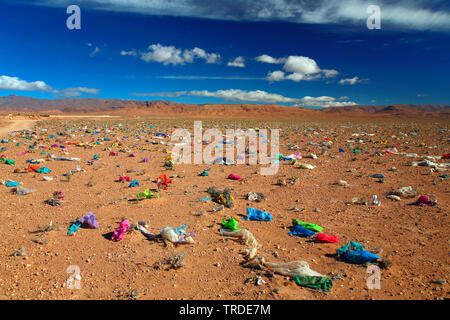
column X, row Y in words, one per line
column 310, row 226
column 314, row 282
column 231, row 224
column 147, row 194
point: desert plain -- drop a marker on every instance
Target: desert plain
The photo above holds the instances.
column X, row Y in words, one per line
column 37, row 254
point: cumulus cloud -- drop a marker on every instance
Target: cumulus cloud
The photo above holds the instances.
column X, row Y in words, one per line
column 350, row 81
column 405, row 14
column 258, row 96
column 268, row 59
column 275, row 76
column 172, row 55
column 237, row 62
column 16, row 84
column 297, row 68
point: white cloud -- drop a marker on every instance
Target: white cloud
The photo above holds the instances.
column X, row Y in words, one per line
column 172, row 55
column 301, row 65
column 75, row 92
column 16, row 84
column 350, row 81
column 128, row 53
column 93, row 53
column 237, row 62
column 275, row 76
column 405, row 14
column 210, row 78
column 268, row 59
column 299, row 68
column 258, row 96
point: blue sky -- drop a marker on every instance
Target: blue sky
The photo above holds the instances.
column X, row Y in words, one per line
column 302, row 53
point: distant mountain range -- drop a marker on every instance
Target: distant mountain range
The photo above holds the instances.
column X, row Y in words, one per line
column 13, row 103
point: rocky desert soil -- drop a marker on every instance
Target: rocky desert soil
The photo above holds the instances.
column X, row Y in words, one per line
column 38, row 257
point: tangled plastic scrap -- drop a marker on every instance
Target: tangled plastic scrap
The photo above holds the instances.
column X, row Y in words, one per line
column 254, row 196
column 177, row 235
column 21, row 191
column 222, row 197
column 299, row 270
column 163, row 181
column 248, row 239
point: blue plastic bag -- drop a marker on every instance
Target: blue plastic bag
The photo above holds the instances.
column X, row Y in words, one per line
column 298, row 230
column 73, row 228
column 12, row 183
column 44, row 170
column 349, row 247
column 134, row 184
column 360, row 256
column 258, row 215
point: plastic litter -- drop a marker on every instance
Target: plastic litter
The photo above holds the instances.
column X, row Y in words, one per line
column 360, row 256
column 21, row 191
column 404, row 192
column 349, row 247
column 258, row 215
column 134, row 183
column 234, row 177
column 89, row 221
column 222, row 197
column 310, row 226
column 314, row 282
column 322, row 237
column 291, row 269
column 57, row 158
column 204, row 173
column 425, row 201
column 120, row 231
column 306, row 166
column 298, row 230
column 177, row 235
column 231, row 224
column 73, row 228
column 375, row 200
column 147, row 194
column 253, row 196
column 163, row 181
column 12, row 183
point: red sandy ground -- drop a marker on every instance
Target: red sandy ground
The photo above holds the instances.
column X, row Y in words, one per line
column 414, row 238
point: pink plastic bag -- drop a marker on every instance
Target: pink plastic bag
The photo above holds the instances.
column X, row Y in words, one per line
column 234, row 177
column 120, row 231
